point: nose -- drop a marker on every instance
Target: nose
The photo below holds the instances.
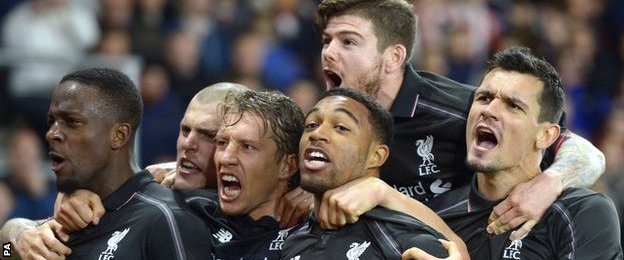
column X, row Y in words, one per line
column 226, row 155
column 54, row 134
column 319, row 134
column 189, row 142
column 490, row 111
column 328, row 53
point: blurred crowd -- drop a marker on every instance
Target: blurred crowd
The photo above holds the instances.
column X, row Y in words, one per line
column 172, row 49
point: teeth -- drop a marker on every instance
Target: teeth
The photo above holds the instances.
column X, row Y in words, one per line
column 318, row 155
column 231, row 191
column 188, row 164
column 229, row 178
column 317, row 163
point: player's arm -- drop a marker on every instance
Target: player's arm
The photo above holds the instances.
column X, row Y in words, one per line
column 415, row 253
column 294, row 207
column 346, row 203
column 163, row 173
column 577, row 163
column 75, row 211
column 35, row 239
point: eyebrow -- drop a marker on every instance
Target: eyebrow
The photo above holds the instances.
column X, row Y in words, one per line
column 507, row 99
column 348, row 114
column 316, row 109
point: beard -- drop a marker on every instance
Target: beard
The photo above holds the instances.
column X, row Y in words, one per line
column 482, row 168
column 66, row 185
column 318, row 186
column 371, row 82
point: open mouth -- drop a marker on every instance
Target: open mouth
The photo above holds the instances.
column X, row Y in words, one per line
column 315, row 159
column 332, row 79
column 188, row 167
column 56, row 160
column 486, row 138
column 231, row 186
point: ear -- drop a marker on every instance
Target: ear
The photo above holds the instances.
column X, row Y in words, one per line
column 120, row 135
column 288, row 166
column 378, row 156
column 547, row 135
column 394, row 58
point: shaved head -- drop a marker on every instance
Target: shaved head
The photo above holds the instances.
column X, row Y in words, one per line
column 217, row 92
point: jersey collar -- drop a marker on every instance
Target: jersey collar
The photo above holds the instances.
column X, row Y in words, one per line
column 127, row 190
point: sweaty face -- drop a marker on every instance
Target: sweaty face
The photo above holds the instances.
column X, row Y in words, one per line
column 350, row 56
column 247, row 167
column 503, row 123
column 78, row 134
column 335, row 144
column 196, row 147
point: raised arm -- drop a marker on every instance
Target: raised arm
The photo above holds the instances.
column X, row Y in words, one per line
column 577, row 163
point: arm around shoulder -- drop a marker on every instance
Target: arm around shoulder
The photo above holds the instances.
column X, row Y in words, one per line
column 578, row 162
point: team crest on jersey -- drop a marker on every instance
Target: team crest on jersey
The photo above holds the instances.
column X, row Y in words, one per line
column 277, row 243
column 223, row 235
column 513, row 250
column 112, row 244
column 423, row 150
column 357, row 250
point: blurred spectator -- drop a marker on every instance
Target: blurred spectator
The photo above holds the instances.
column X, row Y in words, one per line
column 182, row 56
column 197, row 19
column 147, row 29
column 32, row 192
column 116, row 14
column 611, row 143
column 162, row 113
column 43, row 40
column 305, row 93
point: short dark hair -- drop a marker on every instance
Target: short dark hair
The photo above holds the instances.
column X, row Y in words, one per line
column 380, row 118
column 394, row 21
column 282, row 116
column 120, row 97
column 521, row 59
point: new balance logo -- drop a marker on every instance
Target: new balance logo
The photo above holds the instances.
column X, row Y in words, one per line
column 223, row 235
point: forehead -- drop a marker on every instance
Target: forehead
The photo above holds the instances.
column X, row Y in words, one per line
column 340, row 103
column 349, row 24
column 247, row 126
column 76, row 97
column 201, row 113
column 523, row 86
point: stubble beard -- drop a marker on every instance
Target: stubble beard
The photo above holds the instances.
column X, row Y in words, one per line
column 483, row 168
column 371, row 82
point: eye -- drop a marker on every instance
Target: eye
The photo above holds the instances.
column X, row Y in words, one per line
column 341, row 128
column 514, row 106
column 221, row 143
column 248, row 147
column 348, row 42
column 184, row 130
column 311, row 126
column 325, row 41
column 483, row 98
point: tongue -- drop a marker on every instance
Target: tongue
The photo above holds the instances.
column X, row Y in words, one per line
column 487, row 144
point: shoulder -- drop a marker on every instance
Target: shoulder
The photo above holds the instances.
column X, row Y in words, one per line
column 398, row 221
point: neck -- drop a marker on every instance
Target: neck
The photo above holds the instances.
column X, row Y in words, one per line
column 497, row 185
column 390, row 88
column 121, row 168
column 269, row 207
